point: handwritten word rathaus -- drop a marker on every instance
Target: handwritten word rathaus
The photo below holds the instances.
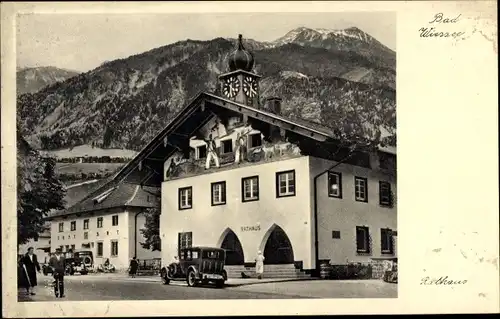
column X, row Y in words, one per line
column 432, row 31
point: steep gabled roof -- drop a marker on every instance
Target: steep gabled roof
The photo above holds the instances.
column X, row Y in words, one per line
column 111, row 196
column 149, row 161
column 146, row 168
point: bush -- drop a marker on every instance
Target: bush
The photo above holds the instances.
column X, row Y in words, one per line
column 351, row 271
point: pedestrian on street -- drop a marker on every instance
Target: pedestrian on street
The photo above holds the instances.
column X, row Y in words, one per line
column 134, row 265
column 259, row 264
column 30, row 267
column 58, row 265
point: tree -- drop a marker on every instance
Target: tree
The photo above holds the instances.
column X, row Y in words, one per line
column 362, row 120
column 39, row 191
column 151, row 230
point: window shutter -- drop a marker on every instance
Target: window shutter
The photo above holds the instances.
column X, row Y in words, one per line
column 380, row 191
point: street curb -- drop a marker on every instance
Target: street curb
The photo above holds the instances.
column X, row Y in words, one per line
column 138, row 279
column 269, row 282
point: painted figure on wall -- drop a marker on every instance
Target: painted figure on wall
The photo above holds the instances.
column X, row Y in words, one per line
column 241, row 145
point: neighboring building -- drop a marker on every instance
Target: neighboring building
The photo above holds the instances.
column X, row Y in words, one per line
column 108, row 222
column 238, row 175
column 41, row 245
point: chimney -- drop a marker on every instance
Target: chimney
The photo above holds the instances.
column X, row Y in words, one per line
column 273, row 105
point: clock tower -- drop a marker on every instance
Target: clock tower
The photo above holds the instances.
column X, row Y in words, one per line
column 240, row 84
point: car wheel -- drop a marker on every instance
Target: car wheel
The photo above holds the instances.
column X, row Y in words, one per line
column 219, row 283
column 191, row 278
column 165, row 280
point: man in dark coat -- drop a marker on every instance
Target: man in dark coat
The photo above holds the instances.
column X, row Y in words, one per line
column 134, row 265
column 30, row 267
column 58, row 265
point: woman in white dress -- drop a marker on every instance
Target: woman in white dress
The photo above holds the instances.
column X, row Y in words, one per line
column 259, row 264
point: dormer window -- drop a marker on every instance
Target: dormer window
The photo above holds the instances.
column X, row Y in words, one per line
column 254, row 140
column 201, row 152
column 226, row 146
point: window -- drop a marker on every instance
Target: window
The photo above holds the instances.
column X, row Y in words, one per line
column 72, row 247
column 384, row 193
column 73, row 225
column 185, row 240
column 218, row 193
column 254, row 140
column 99, row 222
column 99, row 249
column 285, row 183
column 362, row 239
column 185, row 198
column 361, row 189
column 114, row 220
column 201, row 152
column 61, row 227
column 114, row 248
column 335, row 234
column 386, row 241
column 226, row 146
column 67, row 247
column 85, row 224
column 334, row 184
column 250, row 188
column 85, row 235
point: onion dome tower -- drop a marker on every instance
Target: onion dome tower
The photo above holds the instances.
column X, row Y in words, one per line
column 240, row 84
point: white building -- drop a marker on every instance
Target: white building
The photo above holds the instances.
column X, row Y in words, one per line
column 107, row 222
column 238, row 175
column 41, row 246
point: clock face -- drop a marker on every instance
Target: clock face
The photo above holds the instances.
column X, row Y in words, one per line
column 250, row 86
column 231, row 86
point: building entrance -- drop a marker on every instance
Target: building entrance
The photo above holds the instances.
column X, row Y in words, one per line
column 278, row 249
column 234, row 251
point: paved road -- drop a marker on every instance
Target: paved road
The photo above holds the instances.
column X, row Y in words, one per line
column 96, row 288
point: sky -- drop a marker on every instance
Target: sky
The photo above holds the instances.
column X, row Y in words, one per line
column 82, row 42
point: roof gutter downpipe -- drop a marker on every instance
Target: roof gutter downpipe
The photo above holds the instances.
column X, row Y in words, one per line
column 316, row 240
column 135, row 233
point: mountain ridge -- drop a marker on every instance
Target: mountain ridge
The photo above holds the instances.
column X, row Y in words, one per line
column 123, row 103
column 32, row 79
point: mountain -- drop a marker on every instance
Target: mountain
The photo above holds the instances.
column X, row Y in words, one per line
column 125, row 102
column 31, row 80
column 351, row 40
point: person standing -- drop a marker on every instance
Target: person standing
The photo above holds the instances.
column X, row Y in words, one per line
column 134, row 265
column 30, row 267
column 259, row 264
column 58, row 265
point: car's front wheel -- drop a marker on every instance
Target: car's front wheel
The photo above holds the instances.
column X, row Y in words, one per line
column 165, row 280
column 191, row 278
column 219, row 283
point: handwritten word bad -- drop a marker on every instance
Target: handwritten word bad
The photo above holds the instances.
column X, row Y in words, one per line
column 438, row 18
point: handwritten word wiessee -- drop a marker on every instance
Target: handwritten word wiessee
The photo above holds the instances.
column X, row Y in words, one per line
column 442, row 281
column 433, row 32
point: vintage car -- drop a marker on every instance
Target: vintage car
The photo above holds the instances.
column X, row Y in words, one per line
column 197, row 265
column 79, row 262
